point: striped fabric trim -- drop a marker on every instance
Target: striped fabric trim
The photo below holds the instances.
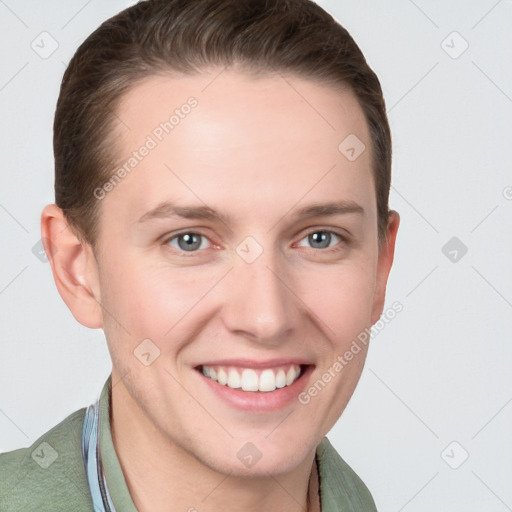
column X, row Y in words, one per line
column 91, row 456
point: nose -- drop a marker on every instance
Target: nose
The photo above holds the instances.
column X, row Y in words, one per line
column 260, row 303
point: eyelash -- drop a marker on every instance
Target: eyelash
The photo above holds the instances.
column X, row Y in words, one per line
column 344, row 239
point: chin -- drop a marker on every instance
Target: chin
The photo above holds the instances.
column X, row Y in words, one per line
column 257, row 459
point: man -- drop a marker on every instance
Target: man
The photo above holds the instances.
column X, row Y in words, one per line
column 222, row 178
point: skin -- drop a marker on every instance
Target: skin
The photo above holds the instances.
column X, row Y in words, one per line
column 256, row 150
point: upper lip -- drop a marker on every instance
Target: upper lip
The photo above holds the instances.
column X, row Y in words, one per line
column 251, row 363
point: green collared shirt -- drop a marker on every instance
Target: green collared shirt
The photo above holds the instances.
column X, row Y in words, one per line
column 49, row 475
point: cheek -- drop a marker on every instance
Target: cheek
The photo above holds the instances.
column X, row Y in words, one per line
column 149, row 299
column 342, row 298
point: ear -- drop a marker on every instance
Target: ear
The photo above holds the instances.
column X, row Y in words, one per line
column 74, row 267
column 385, row 260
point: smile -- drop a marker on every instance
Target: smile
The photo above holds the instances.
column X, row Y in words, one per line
column 249, row 379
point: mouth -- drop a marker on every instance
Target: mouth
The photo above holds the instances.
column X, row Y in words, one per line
column 250, row 379
column 256, row 387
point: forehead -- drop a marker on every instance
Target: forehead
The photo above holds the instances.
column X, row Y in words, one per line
column 214, row 134
column 244, row 104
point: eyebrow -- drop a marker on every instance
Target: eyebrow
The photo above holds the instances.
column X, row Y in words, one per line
column 168, row 209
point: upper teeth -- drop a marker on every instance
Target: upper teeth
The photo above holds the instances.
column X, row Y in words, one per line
column 253, row 380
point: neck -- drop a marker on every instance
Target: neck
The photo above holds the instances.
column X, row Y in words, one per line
column 158, row 472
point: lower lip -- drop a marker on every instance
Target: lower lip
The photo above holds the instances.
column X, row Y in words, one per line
column 259, row 401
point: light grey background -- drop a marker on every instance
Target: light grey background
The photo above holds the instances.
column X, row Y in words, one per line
column 440, row 371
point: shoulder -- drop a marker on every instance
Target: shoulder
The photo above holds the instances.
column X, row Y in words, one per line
column 340, row 487
column 49, row 474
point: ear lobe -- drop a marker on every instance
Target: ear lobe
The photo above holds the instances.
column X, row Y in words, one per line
column 386, row 256
column 74, row 267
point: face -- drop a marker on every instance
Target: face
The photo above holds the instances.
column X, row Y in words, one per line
column 241, row 245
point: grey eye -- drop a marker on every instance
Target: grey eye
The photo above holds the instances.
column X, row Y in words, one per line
column 188, row 242
column 321, row 239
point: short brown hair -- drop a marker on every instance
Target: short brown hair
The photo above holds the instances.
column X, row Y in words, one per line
column 157, row 36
